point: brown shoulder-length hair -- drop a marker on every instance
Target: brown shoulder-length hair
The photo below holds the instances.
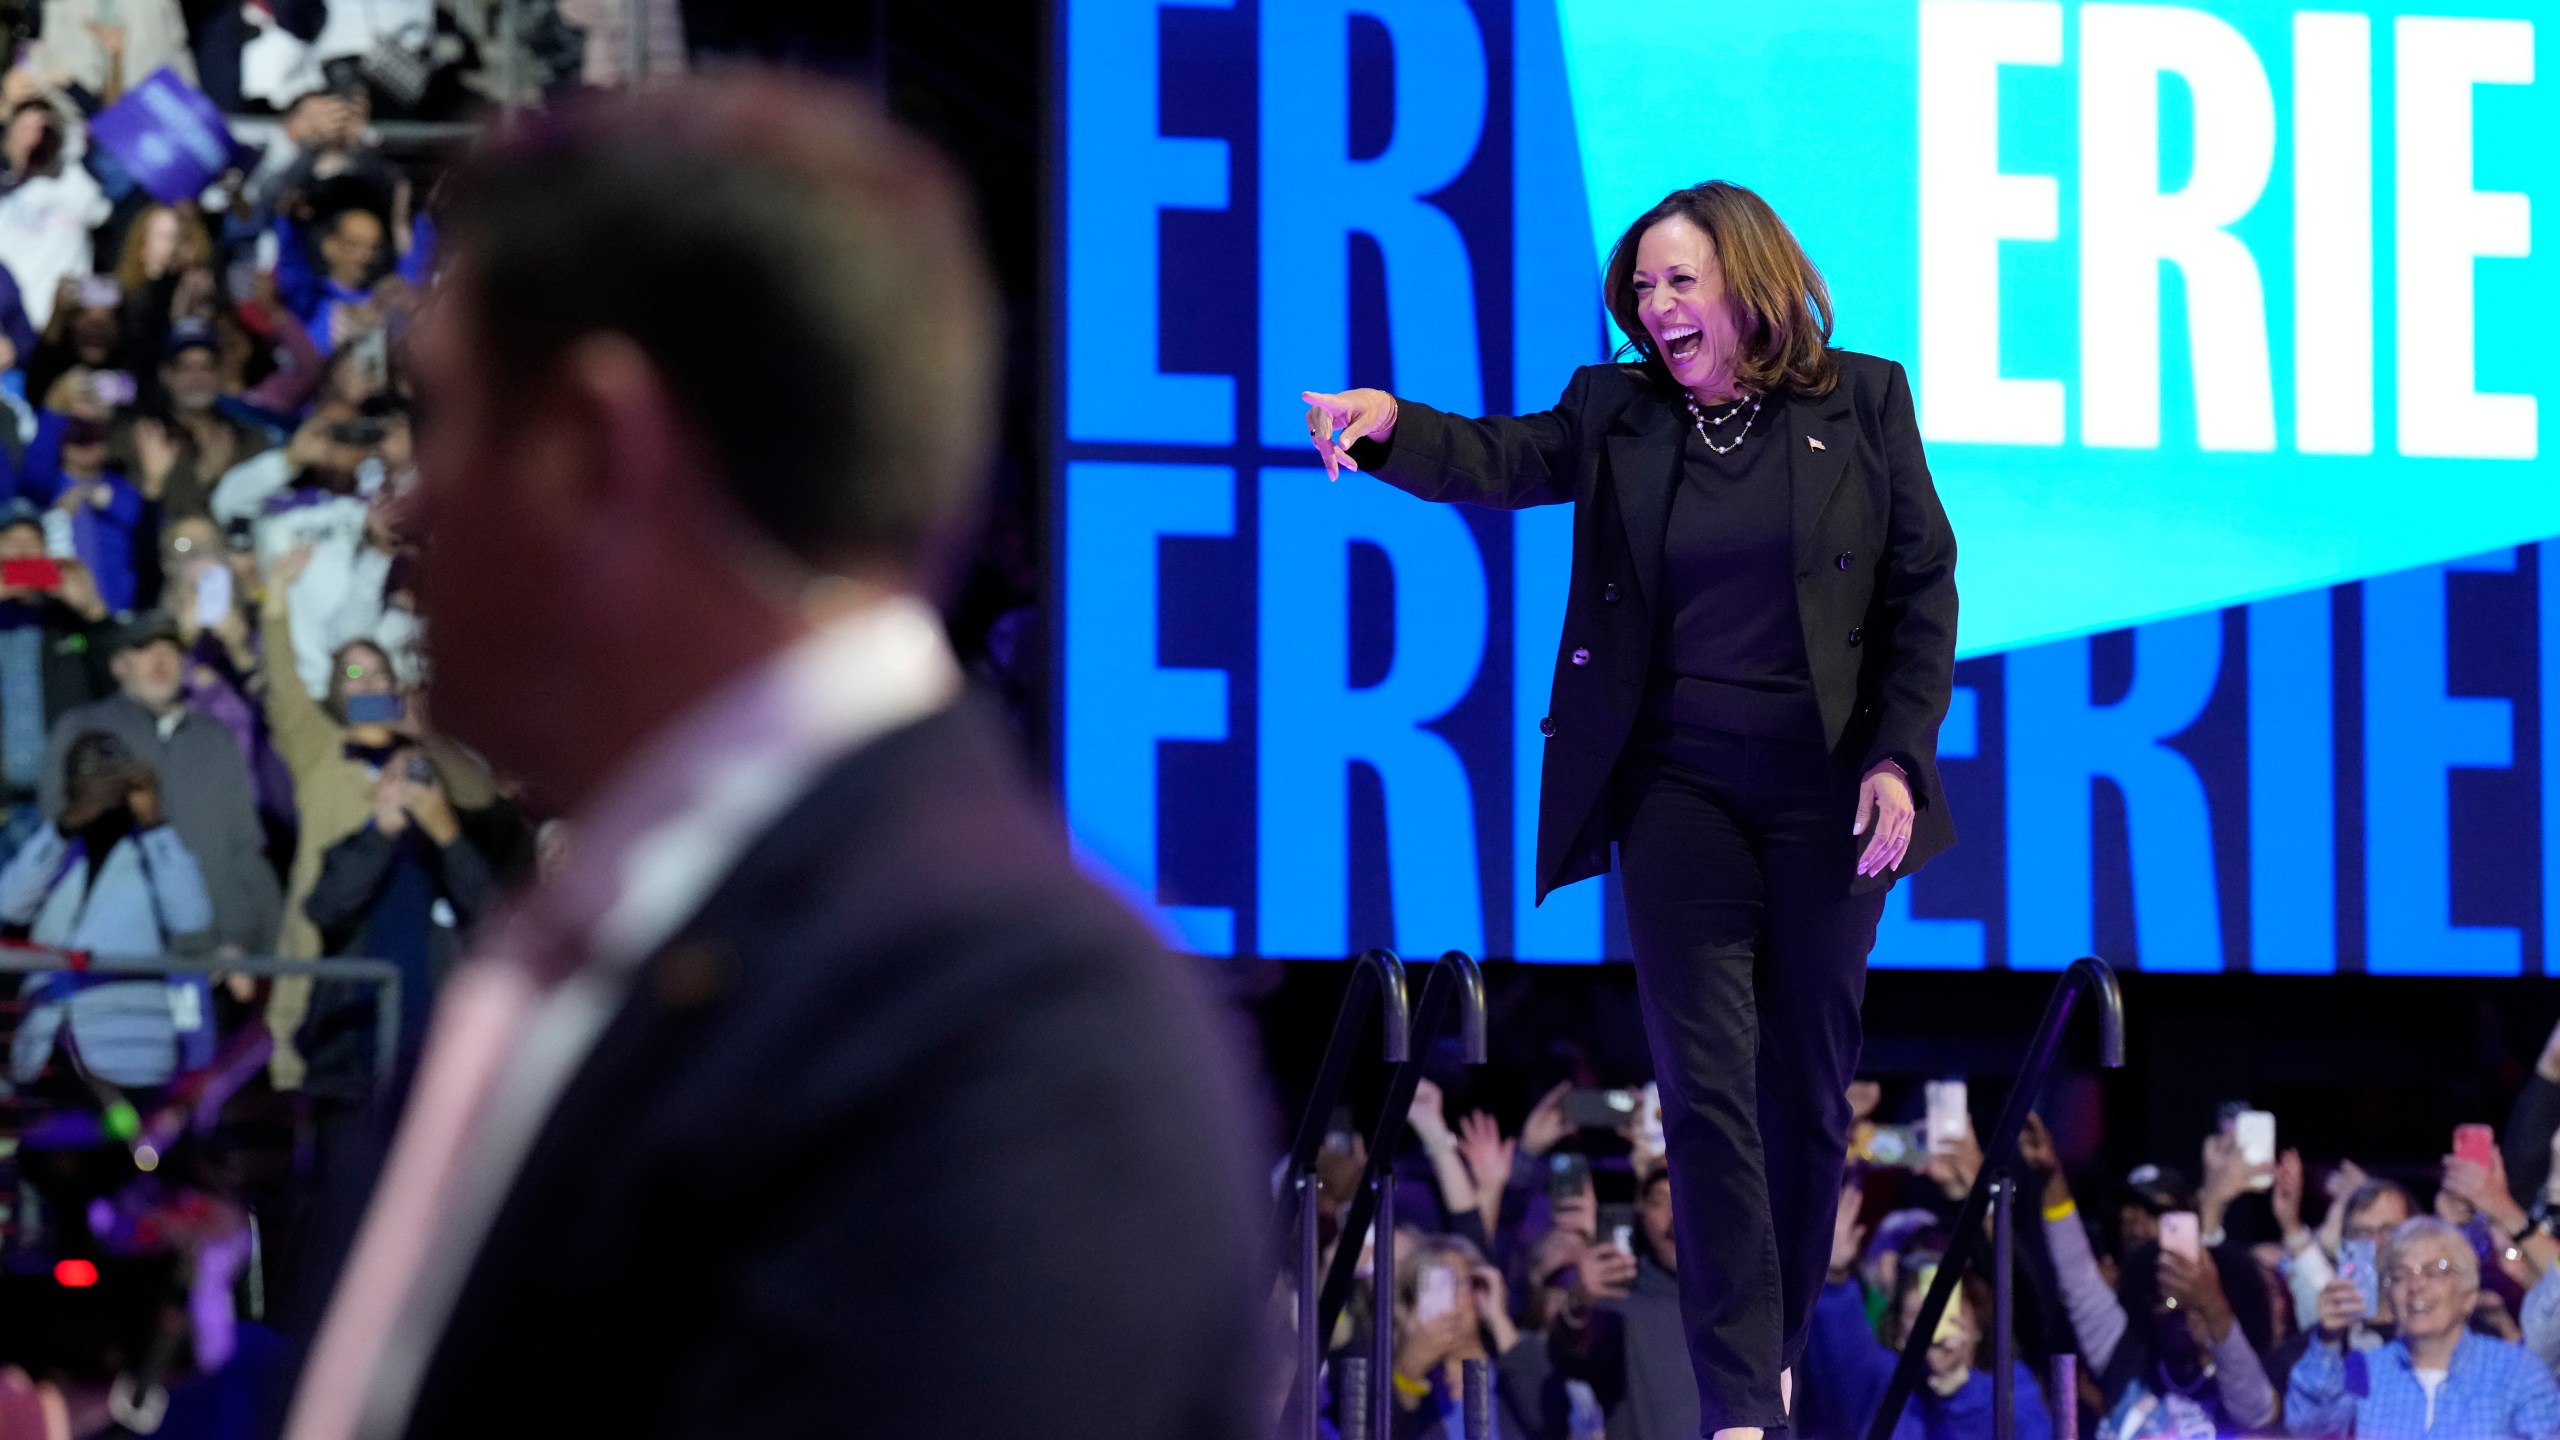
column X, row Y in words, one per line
column 1782, row 308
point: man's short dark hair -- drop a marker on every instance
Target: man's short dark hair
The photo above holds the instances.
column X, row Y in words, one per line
column 804, row 273
column 2366, row 1195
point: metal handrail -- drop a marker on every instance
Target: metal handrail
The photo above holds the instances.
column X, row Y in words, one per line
column 19, row 957
column 1454, row 976
column 1377, row 983
column 1994, row 1185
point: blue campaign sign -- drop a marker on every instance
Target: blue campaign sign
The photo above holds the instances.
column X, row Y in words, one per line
column 2217, row 318
column 167, row 135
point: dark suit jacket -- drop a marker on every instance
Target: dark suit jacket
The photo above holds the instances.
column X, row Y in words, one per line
column 1875, row 572
column 912, row 1131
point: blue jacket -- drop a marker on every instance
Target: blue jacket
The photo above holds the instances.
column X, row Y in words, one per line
column 2493, row 1390
column 1850, row 1366
column 147, row 893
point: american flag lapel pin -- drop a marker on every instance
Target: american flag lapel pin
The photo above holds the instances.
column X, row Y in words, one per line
column 1816, row 444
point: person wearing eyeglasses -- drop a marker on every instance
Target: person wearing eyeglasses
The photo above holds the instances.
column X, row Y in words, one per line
column 2437, row 1377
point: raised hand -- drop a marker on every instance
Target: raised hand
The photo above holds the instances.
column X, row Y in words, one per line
column 1954, row 1169
column 1430, row 1121
column 1848, row 1237
column 2225, row 1174
column 1545, row 1126
column 2196, row 1285
column 79, row 590
column 1487, row 1154
column 288, row 567
column 144, row 798
column 1356, row 414
column 1604, row 1274
column 157, row 449
column 2341, row 1306
column 2484, row 1187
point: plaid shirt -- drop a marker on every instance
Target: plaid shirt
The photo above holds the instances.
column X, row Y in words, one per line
column 2492, row 1390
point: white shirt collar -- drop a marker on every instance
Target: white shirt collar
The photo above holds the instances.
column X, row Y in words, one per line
column 645, row 855
column 647, row 851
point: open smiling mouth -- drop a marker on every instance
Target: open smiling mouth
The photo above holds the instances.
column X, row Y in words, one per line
column 1680, row 343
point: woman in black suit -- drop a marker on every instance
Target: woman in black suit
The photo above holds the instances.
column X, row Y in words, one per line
column 1757, row 652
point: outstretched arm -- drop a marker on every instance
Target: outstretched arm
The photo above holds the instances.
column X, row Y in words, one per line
column 1505, row 462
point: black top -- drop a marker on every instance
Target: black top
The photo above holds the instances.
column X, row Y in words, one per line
column 1729, row 646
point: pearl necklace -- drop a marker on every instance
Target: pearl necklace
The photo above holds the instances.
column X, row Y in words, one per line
column 1699, row 418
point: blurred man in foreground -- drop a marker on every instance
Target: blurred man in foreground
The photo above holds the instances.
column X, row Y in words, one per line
column 816, row 1093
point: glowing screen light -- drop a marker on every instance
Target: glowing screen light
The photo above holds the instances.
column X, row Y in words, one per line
column 2220, row 321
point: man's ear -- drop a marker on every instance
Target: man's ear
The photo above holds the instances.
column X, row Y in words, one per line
column 592, row 452
column 631, row 436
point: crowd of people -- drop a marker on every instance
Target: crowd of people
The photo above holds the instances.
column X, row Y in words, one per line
column 213, row 737
column 210, row 720
column 215, row 746
column 2266, row 1295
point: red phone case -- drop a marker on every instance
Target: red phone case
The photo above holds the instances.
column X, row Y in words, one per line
column 31, row 574
column 2475, row 1143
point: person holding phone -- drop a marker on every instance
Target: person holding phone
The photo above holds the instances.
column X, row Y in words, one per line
column 49, row 209
column 2339, row 1288
column 1757, row 649
column 2437, row 1376
column 1452, row 1307
column 319, row 492
column 51, row 644
column 336, row 748
column 204, row 779
column 101, row 505
column 1851, row 1361
column 406, row 888
column 2164, row 1345
column 112, row 878
column 187, row 442
column 1619, row 1329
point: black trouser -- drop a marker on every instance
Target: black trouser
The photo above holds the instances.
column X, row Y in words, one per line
column 1751, row 958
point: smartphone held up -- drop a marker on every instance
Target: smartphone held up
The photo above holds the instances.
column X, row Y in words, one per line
column 1950, row 1116
column 2180, row 1235
column 1435, row 1293
column 2477, row 1144
column 2254, row 1131
column 2358, row 1265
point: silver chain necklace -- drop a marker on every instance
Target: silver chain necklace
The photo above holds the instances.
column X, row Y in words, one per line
column 1699, row 418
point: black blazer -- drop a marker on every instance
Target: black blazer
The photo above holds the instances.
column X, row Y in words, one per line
column 1875, row 573
column 912, row 1130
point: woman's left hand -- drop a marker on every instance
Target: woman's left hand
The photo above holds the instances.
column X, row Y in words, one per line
column 1885, row 812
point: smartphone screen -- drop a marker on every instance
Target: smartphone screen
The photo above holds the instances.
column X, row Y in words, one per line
column 2179, row 1234
column 1567, row 1177
column 1435, row 1293
column 1598, row 1109
column 1950, row 1118
column 115, row 388
column 213, row 594
column 2356, row 1263
column 2255, row 1130
column 2477, row 1144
